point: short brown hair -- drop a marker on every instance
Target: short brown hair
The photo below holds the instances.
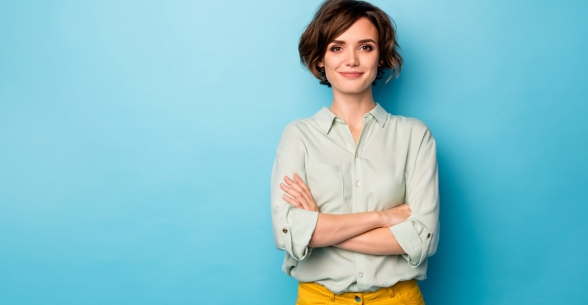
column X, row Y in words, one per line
column 336, row 16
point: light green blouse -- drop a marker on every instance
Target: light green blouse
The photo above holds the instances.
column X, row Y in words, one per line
column 394, row 162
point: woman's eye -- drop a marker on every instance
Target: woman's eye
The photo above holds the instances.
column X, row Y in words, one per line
column 367, row 48
column 336, row 49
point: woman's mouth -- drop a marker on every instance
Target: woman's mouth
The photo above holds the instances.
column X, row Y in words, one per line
column 351, row 74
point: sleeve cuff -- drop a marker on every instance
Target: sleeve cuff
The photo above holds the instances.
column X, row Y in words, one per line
column 297, row 237
column 408, row 235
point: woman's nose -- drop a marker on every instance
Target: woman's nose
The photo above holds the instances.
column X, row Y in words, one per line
column 352, row 59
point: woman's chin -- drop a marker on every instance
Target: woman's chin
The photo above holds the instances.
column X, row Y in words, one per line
column 351, row 89
column 352, row 86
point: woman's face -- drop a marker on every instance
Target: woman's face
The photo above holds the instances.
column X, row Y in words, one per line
column 351, row 61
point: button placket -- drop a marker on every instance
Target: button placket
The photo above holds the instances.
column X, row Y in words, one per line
column 357, row 175
column 359, row 204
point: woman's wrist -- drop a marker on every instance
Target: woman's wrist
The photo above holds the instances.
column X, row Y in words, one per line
column 395, row 215
column 381, row 219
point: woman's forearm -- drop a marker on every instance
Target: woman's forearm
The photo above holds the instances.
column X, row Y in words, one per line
column 378, row 241
column 332, row 229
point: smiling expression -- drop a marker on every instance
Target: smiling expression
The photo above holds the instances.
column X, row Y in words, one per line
column 351, row 60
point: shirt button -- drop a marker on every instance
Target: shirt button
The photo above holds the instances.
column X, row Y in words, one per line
column 361, row 274
column 285, row 230
column 357, row 299
column 356, row 155
column 356, row 183
column 429, row 235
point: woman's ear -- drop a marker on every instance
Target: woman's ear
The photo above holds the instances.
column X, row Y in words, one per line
column 320, row 64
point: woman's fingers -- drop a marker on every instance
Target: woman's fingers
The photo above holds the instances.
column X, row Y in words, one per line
column 290, row 191
column 301, row 183
column 292, row 201
column 302, row 192
column 296, row 195
column 294, row 184
column 306, row 192
column 299, row 191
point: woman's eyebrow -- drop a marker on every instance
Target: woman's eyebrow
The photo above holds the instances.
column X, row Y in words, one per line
column 361, row 41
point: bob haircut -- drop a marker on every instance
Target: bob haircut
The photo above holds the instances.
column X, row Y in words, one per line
column 336, row 16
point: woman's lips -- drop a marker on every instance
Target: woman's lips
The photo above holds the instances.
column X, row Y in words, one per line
column 351, row 74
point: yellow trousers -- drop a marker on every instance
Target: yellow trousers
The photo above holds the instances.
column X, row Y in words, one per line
column 405, row 292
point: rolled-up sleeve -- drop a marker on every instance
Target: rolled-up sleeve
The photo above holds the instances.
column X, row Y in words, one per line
column 292, row 227
column 419, row 234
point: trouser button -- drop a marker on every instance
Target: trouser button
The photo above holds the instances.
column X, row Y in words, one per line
column 357, row 299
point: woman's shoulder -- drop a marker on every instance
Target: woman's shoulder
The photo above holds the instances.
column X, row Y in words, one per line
column 296, row 134
column 297, row 130
column 408, row 124
column 297, row 126
column 311, row 124
column 298, row 123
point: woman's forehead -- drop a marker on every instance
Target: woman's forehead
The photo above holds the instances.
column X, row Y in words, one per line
column 360, row 31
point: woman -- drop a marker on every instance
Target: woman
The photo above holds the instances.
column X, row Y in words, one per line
column 354, row 188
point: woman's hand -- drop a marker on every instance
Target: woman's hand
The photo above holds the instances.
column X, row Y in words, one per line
column 299, row 194
column 396, row 215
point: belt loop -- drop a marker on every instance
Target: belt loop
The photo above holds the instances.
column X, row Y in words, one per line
column 390, row 291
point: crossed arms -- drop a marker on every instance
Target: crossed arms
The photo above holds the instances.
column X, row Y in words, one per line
column 409, row 230
column 366, row 232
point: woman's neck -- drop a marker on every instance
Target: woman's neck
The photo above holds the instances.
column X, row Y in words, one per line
column 352, row 107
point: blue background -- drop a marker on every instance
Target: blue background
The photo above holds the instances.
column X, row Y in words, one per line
column 137, row 140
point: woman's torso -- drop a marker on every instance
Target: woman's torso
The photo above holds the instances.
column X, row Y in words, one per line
column 345, row 177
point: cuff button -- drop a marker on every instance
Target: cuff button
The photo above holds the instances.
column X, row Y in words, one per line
column 285, row 230
column 428, row 235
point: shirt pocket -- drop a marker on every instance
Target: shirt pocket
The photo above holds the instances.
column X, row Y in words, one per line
column 388, row 190
column 325, row 182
